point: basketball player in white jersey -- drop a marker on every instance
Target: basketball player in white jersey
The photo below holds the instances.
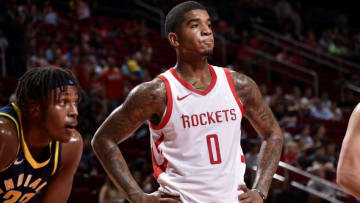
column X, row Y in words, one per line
column 349, row 161
column 194, row 111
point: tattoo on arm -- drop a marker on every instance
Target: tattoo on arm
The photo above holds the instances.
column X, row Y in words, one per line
column 115, row 165
column 262, row 119
column 145, row 102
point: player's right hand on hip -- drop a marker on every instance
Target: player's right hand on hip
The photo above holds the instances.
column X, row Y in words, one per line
column 248, row 196
column 156, row 197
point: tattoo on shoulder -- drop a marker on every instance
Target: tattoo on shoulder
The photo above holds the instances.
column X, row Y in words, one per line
column 244, row 87
column 148, row 98
column 256, row 110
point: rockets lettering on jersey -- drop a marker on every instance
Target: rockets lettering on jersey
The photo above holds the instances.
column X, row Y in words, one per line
column 208, row 118
column 197, row 143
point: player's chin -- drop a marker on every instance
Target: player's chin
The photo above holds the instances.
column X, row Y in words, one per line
column 64, row 139
column 207, row 52
column 66, row 136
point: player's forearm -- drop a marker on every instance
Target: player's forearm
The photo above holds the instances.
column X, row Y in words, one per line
column 268, row 160
column 350, row 181
column 115, row 165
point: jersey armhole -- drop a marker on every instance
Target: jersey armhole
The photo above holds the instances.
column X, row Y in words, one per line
column 169, row 106
column 57, row 157
column 232, row 87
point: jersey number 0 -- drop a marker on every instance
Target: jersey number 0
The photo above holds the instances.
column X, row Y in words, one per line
column 213, row 144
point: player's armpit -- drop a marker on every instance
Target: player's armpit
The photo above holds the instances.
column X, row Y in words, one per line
column 349, row 162
column 60, row 184
column 262, row 119
column 145, row 102
column 9, row 143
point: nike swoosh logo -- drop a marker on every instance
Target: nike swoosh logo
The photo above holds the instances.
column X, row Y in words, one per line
column 181, row 98
column 17, row 162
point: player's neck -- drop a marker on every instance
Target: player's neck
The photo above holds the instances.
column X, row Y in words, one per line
column 196, row 73
column 33, row 134
column 190, row 67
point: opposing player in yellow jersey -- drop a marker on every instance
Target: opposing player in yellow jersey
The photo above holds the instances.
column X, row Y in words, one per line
column 40, row 148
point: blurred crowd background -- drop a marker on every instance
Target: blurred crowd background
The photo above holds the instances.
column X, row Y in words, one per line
column 305, row 57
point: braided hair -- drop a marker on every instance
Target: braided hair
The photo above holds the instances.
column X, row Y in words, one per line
column 36, row 85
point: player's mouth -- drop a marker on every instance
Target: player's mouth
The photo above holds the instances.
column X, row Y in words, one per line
column 208, row 41
column 71, row 126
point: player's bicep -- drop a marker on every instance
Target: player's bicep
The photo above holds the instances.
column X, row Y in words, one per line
column 256, row 110
column 143, row 102
column 9, row 143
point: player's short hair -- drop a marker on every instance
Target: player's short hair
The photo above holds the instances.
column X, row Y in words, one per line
column 176, row 15
column 36, row 85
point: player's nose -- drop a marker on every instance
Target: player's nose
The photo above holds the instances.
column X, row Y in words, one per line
column 73, row 111
column 206, row 30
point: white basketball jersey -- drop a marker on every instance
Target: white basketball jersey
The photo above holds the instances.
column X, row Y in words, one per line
column 196, row 148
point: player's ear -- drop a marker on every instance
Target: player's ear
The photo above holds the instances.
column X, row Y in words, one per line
column 173, row 39
column 33, row 108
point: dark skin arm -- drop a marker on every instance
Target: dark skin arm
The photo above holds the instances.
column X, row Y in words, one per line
column 59, row 186
column 262, row 119
column 9, row 142
column 145, row 102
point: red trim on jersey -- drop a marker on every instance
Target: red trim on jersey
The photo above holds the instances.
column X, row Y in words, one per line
column 231, row 84
column 158, row 142
column 188, row 86
column 169, row 106
column 158, row 169
column 242, row 159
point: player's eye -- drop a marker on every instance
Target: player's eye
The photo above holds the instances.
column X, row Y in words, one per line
column 194, row 25
column 62, row 102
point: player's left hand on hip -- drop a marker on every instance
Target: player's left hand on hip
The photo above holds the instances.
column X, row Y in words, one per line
column 249, row 196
